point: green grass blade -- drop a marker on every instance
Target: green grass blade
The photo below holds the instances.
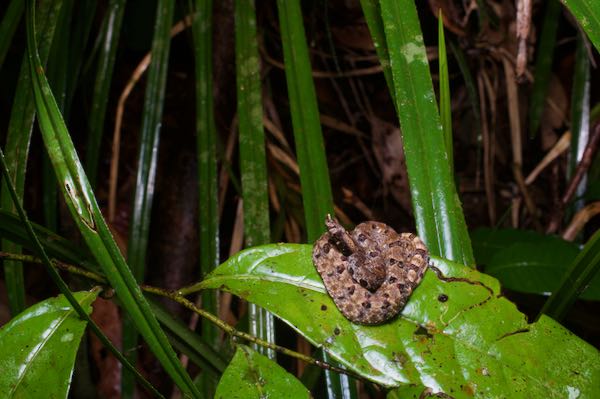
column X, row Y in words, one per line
column 372, row 13
column 149, row 140
column 8, row 26
column 439, row 218
column 17, row 145
column 575, row 280
column 310, row 149
column 104, row 70
column 86, row 214
column 587, row 13
column 206, row 142
column 253, row 161
column 57, row 77
column 543, row 65
column 139, row 230
column 82, row 22
column 445, row 99
column 580, row 106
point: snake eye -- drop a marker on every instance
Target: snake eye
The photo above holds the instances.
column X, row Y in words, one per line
column 363, row 283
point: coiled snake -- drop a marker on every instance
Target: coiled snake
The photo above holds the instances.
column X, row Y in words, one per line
column 371, row 271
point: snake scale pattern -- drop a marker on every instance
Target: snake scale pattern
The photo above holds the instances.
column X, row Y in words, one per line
column 371, row 271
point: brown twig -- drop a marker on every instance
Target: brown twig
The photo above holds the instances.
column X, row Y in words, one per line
column 177, row 297
column 135, row 77
column 523, row 28
column 582, row 168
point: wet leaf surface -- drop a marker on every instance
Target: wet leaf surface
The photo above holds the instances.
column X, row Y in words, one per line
column 252, row 375
column 38, row 348
column 456, row 334
column 527, row 261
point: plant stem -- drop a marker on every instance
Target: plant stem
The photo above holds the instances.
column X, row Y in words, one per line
column 174, row 295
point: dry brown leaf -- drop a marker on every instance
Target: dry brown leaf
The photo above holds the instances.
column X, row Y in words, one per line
column 389, row 153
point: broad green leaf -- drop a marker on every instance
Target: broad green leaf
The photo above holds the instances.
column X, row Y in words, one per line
column 587, row 13
column 457, row 335
column 38, row 348
column 252, row 375
column 527, row 261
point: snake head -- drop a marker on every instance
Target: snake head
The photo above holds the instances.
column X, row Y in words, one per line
column 339, row 237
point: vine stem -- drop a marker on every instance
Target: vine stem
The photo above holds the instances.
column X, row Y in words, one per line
column 174, row 295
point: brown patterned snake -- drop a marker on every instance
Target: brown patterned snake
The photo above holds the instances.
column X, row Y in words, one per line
column 371, row 271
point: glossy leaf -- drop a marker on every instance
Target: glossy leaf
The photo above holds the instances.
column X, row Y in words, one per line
column 457, row 335
column 587, row 13
column 527, row 261
column 438, row 213
column 252, row 375
column 38, row 348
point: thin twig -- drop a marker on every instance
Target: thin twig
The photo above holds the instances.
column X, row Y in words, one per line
column 582, row 168
column 135, row 77
column 175, row 296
